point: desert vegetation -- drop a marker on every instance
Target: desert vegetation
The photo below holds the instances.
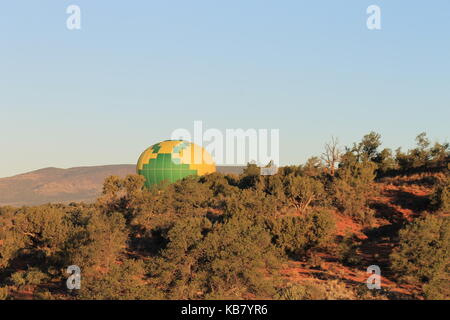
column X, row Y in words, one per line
column 308, row 232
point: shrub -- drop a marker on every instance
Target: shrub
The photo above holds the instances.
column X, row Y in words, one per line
column 35, row 277
column 251, row 177
column 122, row 282
column 424, row 155
column 337, row 290
column 298, row 234
column 440, row 198
column 438, row 288
column 385, row 161
column 347, row 250
column 30, row 277
column 223, row 260
column 122, row 195
column 236, row 253
column 250, row 202
column 306, row 291
column 313, row 167
column 315, row 261
column 189, row 195
column 424, row 250
column 274, row 187
column 11, row 243
column 220, row 189
column 364, row 293
column 18, row 278
column 43, row 295
column 328, row 290
column 301, row 192
column 319, row 226
column 46, row 228
column 353, row 189
column 4, row 293
column 100, row 243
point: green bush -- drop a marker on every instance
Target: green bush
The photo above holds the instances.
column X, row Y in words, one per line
column 353, row 190
column 30, row 277
column 438, row 288
column 424, row 251
column 347, row 250
column 18, row 279
column 274, row 187
column 35, row 277
column 4, row 293
column 46, row 228
column 100, row 243
column 328, row 290
column 11, row 244
column 189, row 195
column 298, row 234
column 43, row 295
column 385, row 161
column 307, row 291
column 122, row 282
column 302, row 192
column 250, row 202
column 424, row 155
column 251, row 177
column 440, row 198
column 223, row 260
column 237, row 252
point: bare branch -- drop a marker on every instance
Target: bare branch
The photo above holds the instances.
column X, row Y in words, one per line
column 332, row 155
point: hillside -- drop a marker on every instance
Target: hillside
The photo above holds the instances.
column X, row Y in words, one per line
column 400, row 200
column 315, row 255
column 79, row 184
column 302, row 234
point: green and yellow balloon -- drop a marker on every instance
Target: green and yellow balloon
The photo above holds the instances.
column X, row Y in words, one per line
column 173, row 160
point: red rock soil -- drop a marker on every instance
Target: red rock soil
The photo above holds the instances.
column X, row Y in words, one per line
column 395, row 205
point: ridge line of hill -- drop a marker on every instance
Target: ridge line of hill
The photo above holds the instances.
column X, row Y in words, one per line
column 57, row 185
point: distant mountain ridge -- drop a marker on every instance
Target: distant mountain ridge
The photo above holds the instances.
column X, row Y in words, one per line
column 55, row 185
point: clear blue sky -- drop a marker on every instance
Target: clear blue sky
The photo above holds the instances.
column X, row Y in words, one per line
column 137, row 70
